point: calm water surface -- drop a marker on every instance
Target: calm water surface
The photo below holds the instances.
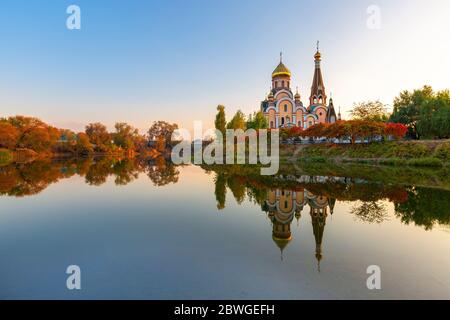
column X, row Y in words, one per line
column 154, row 231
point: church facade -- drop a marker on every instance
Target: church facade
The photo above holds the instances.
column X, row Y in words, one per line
column 283, row 109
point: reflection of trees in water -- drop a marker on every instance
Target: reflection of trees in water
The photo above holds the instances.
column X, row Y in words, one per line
column 126, row 171
column 238, row 188
column 99, row 171
column 162, row 172
column 31, row 178
column 422, row 206
column 370, row 211
column 27, row 179
column 425, row 207
column 220, row 190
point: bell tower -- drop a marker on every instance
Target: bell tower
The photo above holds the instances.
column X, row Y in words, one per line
column 318, row 95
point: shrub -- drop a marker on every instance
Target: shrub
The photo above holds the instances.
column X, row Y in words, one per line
column 411, row 150
column 443, row 151
column 425, row 162
column 317, row 159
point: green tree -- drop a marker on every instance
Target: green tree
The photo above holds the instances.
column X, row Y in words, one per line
column 434, row 117
column 220, row 122
column 238, row 121
column 370, row 111
column 407, row 108
column 258, row 121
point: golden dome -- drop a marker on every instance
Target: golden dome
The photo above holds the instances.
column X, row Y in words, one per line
column 281, row 242
column 297, row 95
column 281, row 70
column 318, row 55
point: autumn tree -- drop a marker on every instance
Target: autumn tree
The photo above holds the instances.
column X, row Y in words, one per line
column 99, row 136
column 316, row 131
column 9, row 135
column 162, row 129
column 23, row 122
column 396, row 130
column 125, row 136
column 37, row 139
column 83, row 145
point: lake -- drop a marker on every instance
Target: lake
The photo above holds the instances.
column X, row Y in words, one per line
column 146, row 229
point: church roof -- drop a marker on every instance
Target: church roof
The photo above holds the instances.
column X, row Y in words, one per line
column 331, row 112
column 281, row 70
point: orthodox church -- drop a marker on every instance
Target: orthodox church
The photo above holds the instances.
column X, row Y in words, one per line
column 284, row 109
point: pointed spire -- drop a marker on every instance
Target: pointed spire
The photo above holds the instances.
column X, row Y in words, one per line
column 281, row 56
column 317, row 88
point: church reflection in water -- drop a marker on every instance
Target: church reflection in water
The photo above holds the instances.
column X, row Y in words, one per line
column 282, row 198
column 285, row 205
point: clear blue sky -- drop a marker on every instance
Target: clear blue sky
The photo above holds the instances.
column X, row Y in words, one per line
column 140, row 61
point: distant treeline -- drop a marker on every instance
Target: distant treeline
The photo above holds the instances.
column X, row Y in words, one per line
column 20, row 132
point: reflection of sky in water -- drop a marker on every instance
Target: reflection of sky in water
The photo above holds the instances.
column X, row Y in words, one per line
column 142, row 241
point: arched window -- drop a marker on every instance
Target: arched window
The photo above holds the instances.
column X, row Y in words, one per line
column 299, row 123
column 285, row 108
column 271, row 124
column 276, row 84
column 288, row 84
column 282, row 83
column 282, row 120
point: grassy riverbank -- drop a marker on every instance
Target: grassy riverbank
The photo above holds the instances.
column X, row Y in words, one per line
column 388, row 175
column 396, row 153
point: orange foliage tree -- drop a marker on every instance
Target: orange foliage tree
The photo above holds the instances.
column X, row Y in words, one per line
column 396, row 130
column 9, row 135
column 353, row 130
